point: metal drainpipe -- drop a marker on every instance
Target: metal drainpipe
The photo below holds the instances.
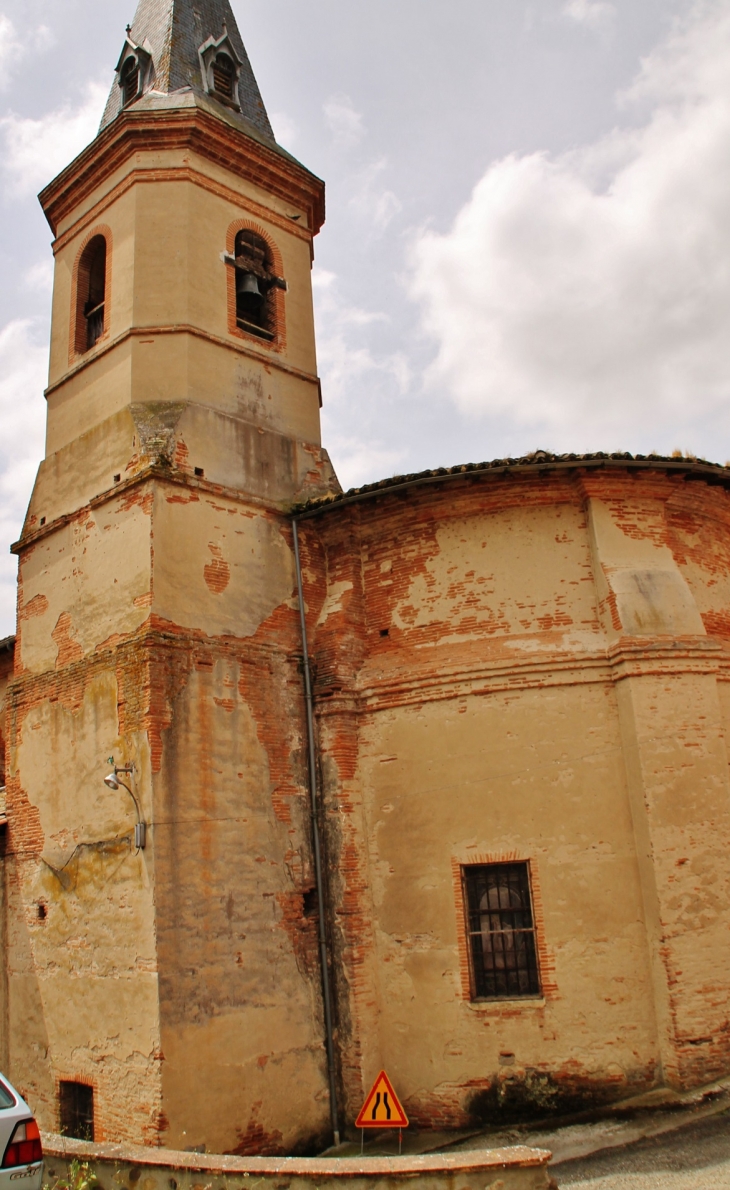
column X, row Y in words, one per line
column 324, row 963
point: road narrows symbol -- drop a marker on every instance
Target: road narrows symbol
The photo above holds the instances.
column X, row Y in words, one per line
column 382, row 1107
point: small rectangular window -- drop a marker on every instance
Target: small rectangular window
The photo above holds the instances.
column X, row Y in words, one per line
column 502, row 943
column 77, row 1110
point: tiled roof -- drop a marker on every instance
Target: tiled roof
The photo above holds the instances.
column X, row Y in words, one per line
column 539, row 460
column 175, row 30
column 7, row 645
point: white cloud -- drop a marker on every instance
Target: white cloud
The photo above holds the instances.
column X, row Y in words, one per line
column 586, row 298
column 285, row 129
column 8, row 43
column 35, row 150
column 373, row 201
column 23, row 377
column 348, row 364
column 344, row 359
column 39, row 277
column 13, row 48
column 592, row 14
column 357, row 461
column 345, row 124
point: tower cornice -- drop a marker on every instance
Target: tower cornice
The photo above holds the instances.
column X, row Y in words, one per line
column 193, row 128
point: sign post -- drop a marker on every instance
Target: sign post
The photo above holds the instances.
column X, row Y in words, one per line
column 382, row 1109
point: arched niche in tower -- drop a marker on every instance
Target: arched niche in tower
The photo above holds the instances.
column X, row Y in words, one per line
column 91, row 291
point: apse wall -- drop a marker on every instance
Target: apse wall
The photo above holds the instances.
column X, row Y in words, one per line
column 527, row 666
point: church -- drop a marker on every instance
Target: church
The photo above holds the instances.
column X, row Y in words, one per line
column 300, row 784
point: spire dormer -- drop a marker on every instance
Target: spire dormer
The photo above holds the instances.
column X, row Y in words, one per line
column 135, row 69
column 220, row 68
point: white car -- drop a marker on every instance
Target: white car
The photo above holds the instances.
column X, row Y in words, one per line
column 20, row 1142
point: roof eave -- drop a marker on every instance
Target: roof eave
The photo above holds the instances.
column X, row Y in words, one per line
column 540, row 463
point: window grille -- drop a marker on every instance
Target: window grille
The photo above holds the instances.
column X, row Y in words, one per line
column 224, row 75
column 76, row 1104
column 130, row 80
column 501, row 931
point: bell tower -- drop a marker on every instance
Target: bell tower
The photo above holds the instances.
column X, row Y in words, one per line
column 172, row 989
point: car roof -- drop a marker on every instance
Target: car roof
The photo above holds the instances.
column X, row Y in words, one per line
column 17, row 1106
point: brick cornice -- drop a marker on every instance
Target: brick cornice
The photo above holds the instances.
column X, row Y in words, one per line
column 181, row 129
column 414, row 684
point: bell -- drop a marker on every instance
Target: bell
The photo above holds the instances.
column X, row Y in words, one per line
column 249, row 297
column 248, row 283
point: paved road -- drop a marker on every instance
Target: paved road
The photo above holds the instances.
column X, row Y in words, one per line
column 695, row 1157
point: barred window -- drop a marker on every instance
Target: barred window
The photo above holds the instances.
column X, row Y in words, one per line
column 76, row 1110
column 502, row 944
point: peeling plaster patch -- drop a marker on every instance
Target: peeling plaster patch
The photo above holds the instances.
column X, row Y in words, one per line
column 156, row 424
column 69, row 650
column 38, row 606
column 217, row 574
column 189, row 587
column 65, row 759
column 88, row 581
column 333, row 601
column 466, row 587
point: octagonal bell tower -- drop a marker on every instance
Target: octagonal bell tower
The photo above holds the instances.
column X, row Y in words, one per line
column 157, row 624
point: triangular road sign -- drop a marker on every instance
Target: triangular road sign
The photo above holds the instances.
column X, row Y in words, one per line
column 382, row 1108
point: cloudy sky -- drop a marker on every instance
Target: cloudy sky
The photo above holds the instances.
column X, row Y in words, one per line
column 528, row 234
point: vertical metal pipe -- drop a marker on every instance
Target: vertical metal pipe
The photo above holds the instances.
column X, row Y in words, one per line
column 311, row 747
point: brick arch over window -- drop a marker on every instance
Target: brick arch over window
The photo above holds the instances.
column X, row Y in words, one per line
column 546, row 959
column 91, row 292
column 276, row 311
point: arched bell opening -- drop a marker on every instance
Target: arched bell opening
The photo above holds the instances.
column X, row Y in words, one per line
column 256, row 283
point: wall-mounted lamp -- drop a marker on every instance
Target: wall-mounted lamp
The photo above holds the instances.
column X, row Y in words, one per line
column 113, row 782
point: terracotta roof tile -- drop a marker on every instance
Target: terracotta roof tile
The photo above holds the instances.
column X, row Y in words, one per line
column 541, row 460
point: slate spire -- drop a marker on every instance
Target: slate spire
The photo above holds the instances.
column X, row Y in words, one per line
column 172, row 33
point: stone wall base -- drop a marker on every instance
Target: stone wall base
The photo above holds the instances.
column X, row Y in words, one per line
column 127, row 1167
